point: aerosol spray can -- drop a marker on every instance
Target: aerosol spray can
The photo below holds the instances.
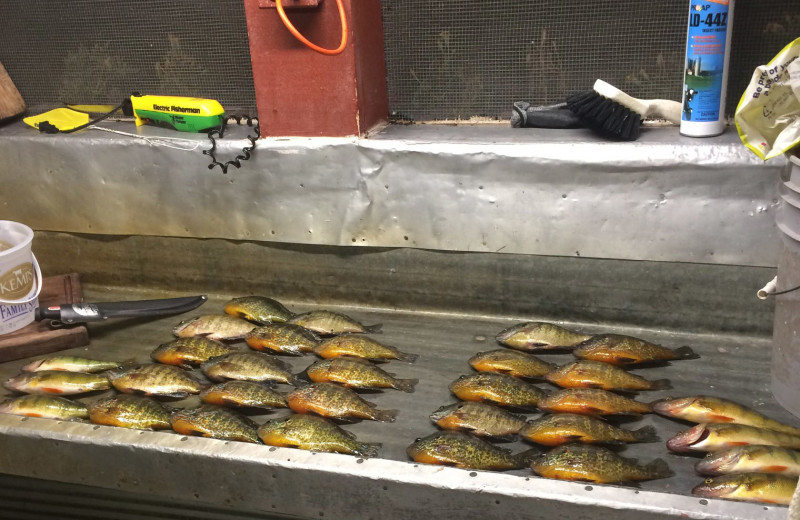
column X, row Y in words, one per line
column 705, row 75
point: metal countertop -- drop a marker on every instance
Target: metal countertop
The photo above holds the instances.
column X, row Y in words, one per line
column 295, row 482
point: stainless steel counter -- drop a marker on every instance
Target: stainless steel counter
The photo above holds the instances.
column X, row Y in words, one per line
column 292, row 482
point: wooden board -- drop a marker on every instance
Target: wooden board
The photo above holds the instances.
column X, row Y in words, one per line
column 38, row 338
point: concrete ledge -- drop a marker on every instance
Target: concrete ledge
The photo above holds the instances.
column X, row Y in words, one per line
column 466, row 188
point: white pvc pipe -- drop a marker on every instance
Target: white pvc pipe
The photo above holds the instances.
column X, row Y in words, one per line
column 767, row 289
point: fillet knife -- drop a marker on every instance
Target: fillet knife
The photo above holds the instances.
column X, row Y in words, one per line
column 69, row 313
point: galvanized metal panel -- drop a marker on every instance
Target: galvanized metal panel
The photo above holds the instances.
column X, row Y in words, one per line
column 257, row 478
column 488, row 189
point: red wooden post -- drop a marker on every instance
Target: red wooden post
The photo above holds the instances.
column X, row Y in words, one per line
column 300, row 92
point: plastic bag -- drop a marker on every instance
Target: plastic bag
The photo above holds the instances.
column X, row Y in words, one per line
column 768, row 115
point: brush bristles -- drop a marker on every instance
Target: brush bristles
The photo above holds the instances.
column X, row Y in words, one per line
column 606, row 117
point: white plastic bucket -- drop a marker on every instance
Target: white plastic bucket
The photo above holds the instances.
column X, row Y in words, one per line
column 20, row 277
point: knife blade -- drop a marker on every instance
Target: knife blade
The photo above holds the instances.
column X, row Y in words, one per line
column 69, row 313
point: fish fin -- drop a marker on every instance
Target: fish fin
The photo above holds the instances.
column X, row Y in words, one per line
column 52, row 390
column 374, row 329
column 738, row 443
column 525, row 458
column 297, row 381
column 406, row 385
column 660, row 384
column 385, row 415
column 32, row 414
column 646, row 434
column 774, row 469
column 717, row 418
column 408, row 358
column 658, row 468
column 369, row 449
column 686, row 353
column 622, row 360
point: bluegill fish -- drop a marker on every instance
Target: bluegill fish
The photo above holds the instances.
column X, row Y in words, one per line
column 704, row 409
column 129, row 411
column 57, row 382
column 511, row 362
column 538, row 335
column 188, row 352
column 249, row 366
column 243, row 394
column 70, row 364
column 155, row 380
column 46, row 406
column 258, row 309
column 500, row 389
column 309, row 432
column 626, row 350
column 594, row 374
column 337, row 402
column 462, row 450
column 283, row 338
column 713, row 437
column 592, row 401
column 564, row 428
column 596, row 464
column 328, row 323
column 749, row 487
column 752, row 458
column 481, row 419
column 357, row 373
column 214, row 326
column 363, row 347
column 214, row 422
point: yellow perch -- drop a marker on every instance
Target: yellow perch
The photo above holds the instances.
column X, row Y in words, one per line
column 713, row 437
column 749, row 487
column 751, row 459
column 703, row 409
column 46, row 406
column 70, row 364
column 57, row 382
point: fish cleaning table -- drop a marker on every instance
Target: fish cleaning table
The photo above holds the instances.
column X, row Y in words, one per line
column 267, row 481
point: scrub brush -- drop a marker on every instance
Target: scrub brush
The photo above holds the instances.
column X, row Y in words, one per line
column 614, row 114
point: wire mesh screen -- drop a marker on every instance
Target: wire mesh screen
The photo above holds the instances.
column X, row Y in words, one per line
column 451, row 59
column 99, row 51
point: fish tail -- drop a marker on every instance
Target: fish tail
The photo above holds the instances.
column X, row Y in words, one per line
column 374, row 329
column 658, row 469
column 686, row 353
column 660, row 384
column 406, row 385
column 408, row 358
column 369, row 449
column 646, row 434
column 385, row 415
column 525, row 458
column 294, row 380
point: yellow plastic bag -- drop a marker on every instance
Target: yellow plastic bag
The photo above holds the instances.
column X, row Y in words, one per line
column 768, row 115
column 61, row 118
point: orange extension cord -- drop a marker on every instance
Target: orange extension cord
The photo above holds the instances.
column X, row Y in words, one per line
column 296, row 33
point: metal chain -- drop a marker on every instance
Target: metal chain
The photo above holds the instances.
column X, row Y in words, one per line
column 247, row 151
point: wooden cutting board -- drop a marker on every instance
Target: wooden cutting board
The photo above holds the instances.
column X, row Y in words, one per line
column 38, row 338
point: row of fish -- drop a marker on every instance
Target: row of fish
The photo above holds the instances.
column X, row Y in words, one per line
column 750, row 457
column 573, row 430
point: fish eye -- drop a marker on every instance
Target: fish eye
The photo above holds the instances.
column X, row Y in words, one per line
column 709, row 480
column 461, row 377
column 418, row 439
column 709, row 455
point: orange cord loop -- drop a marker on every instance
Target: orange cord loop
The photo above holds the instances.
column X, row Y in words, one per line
column 296, row 33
